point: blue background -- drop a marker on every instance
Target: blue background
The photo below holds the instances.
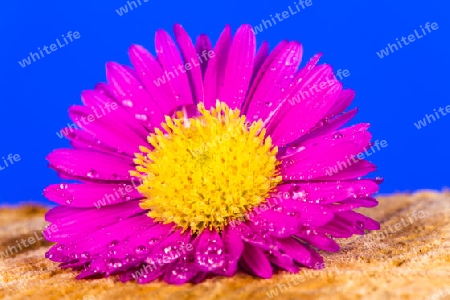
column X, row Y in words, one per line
column 392, row 93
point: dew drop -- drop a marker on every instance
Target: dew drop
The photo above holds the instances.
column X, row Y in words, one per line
column 92, row 174
column 113, row 243
column 337, row 136
column 359, row 225
column 130, row 259
column 291, row 150
column 127, row 103
column 153, row 241
column 299, row 194
column 141, row 117
column 141, row 250
column 278, row 209
column 114, row 263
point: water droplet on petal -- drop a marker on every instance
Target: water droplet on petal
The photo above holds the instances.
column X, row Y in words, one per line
column 113, row 243
column 337, row 136
column 141, row 250
column 114, row 263
column 130, row 259
column 141, row 117
column 153, row 241
column 298, row 193
column 359, row 225
column 127, row 103
column 92, row 174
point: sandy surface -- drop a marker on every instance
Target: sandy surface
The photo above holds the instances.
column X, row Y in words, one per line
column 410, row 259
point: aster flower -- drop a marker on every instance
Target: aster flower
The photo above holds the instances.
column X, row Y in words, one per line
column 214, row 169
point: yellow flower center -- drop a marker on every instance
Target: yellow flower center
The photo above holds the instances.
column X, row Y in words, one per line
column 206, row 171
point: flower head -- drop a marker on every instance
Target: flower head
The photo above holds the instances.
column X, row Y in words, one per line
column 209, row 162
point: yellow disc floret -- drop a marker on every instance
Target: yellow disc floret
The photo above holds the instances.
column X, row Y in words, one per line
column 204, row 172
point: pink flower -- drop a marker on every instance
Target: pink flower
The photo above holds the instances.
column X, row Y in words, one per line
column 202, row 164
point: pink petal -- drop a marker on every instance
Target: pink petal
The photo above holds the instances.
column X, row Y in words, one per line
column 91, row 194
column 215, row 72
column 133, row 96
column 180, row 272
column 300, row 253
column 355, row 170
column 311, row 109
column 322, row 128
column 71, row 222
column 169, row 250
column 107, row 129
column 274, row 81
column 305, row 214
column 234, row 247
column 275, row 224
column 239, row 69
column 283, row 261
column 283, row 106
column 170, row 59
column 319, row 241
column 255, row 261
column 91, row 166
column 203, row 43
column 319, row 158
column 265, row 67
column 328, row 191
column 151, row 74
column 344, row 100
column 83, row 140
column 210, row 252
column 260, row 58
column 190, row 57
column 115, row 115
